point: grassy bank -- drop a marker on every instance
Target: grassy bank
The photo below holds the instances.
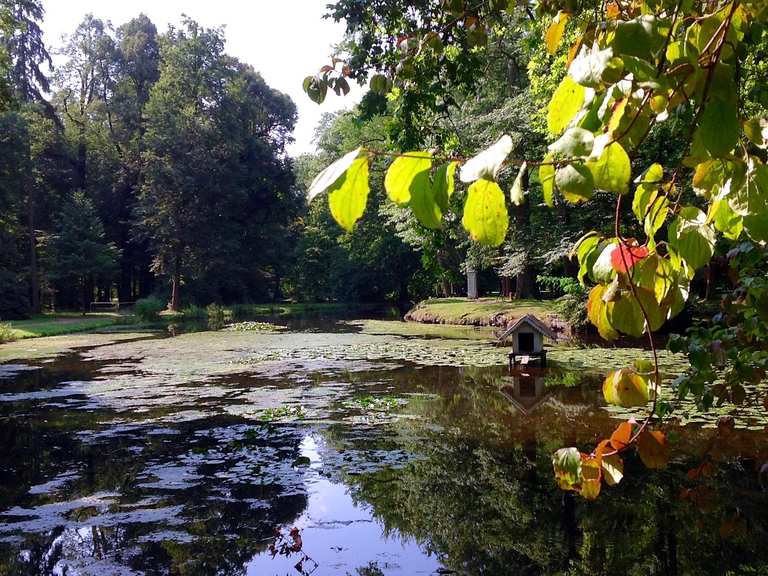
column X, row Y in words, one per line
column 55, row 324
column 480, row 312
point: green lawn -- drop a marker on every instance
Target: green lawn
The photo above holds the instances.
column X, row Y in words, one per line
column 60, row 323
column 483, row 311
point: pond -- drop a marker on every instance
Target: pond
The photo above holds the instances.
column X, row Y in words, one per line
column 381, row 450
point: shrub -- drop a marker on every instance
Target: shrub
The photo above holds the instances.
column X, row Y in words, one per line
column 6, row 333
column 148, row 309
column 194, row 312
column 573, row 309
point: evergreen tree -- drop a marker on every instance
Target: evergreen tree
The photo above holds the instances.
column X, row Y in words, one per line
column 78, row 253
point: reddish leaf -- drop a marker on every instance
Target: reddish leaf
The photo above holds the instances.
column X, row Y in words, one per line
column 627, row 256
column 620, row 437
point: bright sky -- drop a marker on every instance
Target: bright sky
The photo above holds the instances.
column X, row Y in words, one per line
column 285, row 40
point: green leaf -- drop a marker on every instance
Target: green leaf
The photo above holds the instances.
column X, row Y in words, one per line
column 567, row 465
column 750, row 200
column 725, row 219
column 575, row 183
column 564, row 105
column 586, row 252
column 718, row 130
column 710, row 176
column 756, row 129
column 423, row 202
column 517, row 194
column 402, row 172
column 575, row 142
column 444, row 184
column 624, row 315
column 547, row 179
column 332, row 173
column 379, row 83
column 555, row 31
column 316, row 88
column 488, row 162
column 612, row 171
column 692, row 238
column 349, row 194
column 647, row 191
column 485, row 213
column 638, row 37
column 588, row 67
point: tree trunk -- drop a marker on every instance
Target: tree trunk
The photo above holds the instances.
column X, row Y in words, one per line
column 526, row 286
column 174, row 305
column 84, row 295
column 34, row 282
column 81, row 158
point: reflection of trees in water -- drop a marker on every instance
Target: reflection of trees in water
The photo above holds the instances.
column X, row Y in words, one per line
column 223, row 522
column 486, row 510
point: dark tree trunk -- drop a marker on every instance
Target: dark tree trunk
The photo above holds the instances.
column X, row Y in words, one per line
column 34, row 282
column 526, row 285
column 86, row 284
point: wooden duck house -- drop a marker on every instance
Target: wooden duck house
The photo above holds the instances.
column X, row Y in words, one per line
column 527, row 334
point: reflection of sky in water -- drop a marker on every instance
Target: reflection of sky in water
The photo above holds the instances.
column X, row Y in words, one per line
column 341, row 535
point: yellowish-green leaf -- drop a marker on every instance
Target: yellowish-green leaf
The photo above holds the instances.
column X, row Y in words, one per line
column 564, row 105
column 691, row 237
column 756, row 129
column 612, row 170
column 575, row 183
column 597, row 313
column 423, row 202
column 485, row 213
column 401, row 174
column 349, row 194
column 332, row 173
column 444, row 184
column 647, row 191
column 547, row 179
column 625, row 388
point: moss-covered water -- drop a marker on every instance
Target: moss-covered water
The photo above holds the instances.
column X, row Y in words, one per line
column 392, row 450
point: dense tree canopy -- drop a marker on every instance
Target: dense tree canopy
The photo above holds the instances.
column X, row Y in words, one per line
column 177, row 151
column 656, row 101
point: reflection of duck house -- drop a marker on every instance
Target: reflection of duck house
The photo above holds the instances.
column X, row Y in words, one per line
column 526, row 392
column 527, row 334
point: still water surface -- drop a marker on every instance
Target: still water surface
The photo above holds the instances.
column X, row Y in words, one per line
column 383, row 466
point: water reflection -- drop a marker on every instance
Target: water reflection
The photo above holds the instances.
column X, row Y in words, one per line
column 448, row 471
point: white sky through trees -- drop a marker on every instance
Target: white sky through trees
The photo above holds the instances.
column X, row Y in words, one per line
column 284, row 40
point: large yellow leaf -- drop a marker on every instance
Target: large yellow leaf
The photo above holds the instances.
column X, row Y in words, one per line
column 485, row 213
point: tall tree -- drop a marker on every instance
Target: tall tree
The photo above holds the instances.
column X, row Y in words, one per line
column 78, row 252
column 23, row 43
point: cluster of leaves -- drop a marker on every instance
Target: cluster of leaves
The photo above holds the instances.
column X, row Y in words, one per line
column 728, row 356
column 631, row 69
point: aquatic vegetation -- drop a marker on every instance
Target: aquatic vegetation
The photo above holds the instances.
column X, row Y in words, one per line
column 251, row 326
column 283, row 413
column 376, row 403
